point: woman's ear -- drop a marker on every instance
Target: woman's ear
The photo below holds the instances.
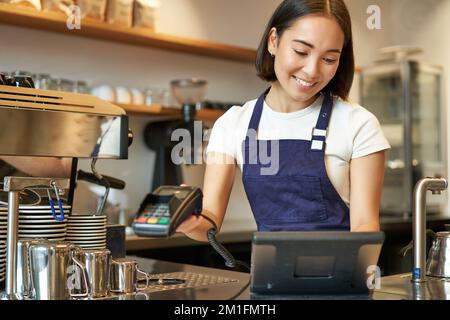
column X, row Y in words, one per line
column 272, row 41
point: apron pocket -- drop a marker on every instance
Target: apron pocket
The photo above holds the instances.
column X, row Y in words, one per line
column 285, row 199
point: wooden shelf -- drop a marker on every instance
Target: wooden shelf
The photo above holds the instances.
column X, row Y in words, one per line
column 56, row 22
column 160, row 112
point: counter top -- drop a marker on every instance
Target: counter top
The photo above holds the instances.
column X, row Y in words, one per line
column 240, row 231
column 237, row 231
column 401, row 287
column 204, row 283
column 398, row 223
column 201, row 283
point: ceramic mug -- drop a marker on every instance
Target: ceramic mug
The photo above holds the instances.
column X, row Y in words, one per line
column 104, row 92
column 123, row 95
column 138, row 96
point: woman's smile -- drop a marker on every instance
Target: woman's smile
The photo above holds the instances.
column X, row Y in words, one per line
column 303, row 84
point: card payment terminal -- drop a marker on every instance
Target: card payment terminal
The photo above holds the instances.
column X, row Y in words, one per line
column 164, row 209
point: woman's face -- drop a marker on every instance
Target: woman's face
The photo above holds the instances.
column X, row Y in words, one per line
column 306, row 56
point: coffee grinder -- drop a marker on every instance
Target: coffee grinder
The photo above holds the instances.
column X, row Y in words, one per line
column 158, row 135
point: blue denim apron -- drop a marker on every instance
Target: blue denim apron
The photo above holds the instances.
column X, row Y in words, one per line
column 299, row 196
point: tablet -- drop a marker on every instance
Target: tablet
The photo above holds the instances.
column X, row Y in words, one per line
column 310, row 262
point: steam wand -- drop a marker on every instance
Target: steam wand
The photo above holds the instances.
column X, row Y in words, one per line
column 105, row 183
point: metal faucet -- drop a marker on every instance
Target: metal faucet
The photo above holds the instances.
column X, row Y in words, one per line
column 435, row 185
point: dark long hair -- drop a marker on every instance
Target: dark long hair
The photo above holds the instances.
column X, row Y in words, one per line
column 286, row 15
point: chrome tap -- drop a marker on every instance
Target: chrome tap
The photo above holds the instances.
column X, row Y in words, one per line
column 435, row 185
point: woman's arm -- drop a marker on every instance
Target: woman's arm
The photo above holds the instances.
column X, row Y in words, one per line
column 41, row 166
column 217, row 185
column 366, row 181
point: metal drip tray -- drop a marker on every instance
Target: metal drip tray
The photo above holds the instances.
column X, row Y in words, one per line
column 171, row 282
column 183, row 280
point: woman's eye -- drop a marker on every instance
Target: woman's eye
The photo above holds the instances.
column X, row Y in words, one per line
column 329, row 60
column 301, row 53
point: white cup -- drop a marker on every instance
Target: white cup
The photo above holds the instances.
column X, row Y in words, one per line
column 137, row 96
column 104, row 92
column 123, row 95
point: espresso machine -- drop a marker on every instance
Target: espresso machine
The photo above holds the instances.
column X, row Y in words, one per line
column 45, row 123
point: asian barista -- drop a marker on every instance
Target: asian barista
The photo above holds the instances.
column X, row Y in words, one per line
column 330, row 152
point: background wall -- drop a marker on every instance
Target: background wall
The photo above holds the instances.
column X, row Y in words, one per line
column 414, row 22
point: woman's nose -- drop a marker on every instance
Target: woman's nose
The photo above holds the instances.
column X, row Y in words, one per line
column 311, row 68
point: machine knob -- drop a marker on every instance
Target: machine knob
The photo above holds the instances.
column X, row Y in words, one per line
column 130, row 137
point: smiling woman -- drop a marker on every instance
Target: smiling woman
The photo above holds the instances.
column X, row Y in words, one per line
column 315, row 51
column 304, row 66
column 323, row 146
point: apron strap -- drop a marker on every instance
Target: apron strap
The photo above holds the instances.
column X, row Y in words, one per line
column 257, row 112
column 319, row 132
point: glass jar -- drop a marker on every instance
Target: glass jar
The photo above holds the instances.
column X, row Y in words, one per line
column 81, row 87
column 66, row 85
column 42, row 81
column 159, row 96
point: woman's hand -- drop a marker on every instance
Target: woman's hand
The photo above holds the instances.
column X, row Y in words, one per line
column 190, row 223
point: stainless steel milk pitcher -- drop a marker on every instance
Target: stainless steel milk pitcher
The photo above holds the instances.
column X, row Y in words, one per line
column 55, row 272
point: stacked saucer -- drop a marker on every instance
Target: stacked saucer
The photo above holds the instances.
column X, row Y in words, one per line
column 3, row 228
column 38, row 222
column 87, row 231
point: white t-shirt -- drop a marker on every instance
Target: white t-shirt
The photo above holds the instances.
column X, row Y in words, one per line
column 353, row 132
